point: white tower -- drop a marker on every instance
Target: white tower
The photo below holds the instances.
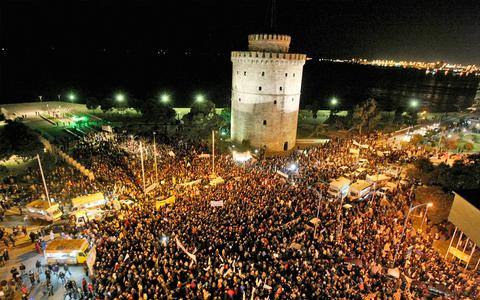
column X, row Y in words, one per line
column 266, row 84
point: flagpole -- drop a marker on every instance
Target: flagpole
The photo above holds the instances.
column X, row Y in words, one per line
column 43, row 179
column 155, row 157
column 143, row 168
column 213, row 152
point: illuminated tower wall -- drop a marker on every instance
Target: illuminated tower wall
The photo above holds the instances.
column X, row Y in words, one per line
column 266, row 86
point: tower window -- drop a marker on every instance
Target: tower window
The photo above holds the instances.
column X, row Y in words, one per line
column 239, row 99
column 281, row 88
column 286, row 74
column 263, row 73
column 293, row 74
column 245, row 73
column 264, row 122
column 292, row 99
column 237, row 72
column 259, row 88
column 275, row 102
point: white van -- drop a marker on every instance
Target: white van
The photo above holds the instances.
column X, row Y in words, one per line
column 378, row 180
column 42, row 210
column 90, row 201
column 360, row 189
column 339, row 187
column 82, row 217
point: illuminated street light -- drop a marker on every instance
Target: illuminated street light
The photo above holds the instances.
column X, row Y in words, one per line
column 72, row 97
column 334, row 101
column 165, row 98
column 120, row 97
column 414, row 103
column 199, row 98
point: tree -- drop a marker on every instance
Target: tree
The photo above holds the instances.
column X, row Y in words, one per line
column 424, row 165
column 93, row 103
column 17, row 139
column 206, row 108
column 153, row 111
column 366, row 115
column 2, row 117
column 226, row 114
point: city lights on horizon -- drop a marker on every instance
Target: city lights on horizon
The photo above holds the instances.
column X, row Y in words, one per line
column 429, row 67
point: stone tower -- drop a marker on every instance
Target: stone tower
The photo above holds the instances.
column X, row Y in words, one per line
column 266, row 85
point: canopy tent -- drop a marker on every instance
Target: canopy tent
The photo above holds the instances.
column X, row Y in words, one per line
column 465, row 215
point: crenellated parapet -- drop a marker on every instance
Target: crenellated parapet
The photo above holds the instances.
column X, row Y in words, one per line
column 269, row 42
column 266, row 57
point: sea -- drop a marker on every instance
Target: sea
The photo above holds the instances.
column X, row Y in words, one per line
column 53, row 74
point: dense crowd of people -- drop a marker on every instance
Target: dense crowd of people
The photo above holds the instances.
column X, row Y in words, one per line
column 268, row 237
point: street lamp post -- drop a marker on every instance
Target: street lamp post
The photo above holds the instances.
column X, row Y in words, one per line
column 155, row 157
column 43, row 180
column 425, row 216
column 320, row 195
column 411, row 208
column 213, row 153
column 143, row 169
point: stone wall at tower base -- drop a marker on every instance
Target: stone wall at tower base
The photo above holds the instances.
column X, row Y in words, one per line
column 249, row 127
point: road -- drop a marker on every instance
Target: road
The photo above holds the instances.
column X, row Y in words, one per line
column 24, row 252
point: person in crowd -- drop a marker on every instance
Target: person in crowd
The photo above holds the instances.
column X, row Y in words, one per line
column 259, row 241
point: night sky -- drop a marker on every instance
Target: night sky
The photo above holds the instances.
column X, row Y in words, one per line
column 414, row 30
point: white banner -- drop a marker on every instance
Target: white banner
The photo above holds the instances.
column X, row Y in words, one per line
column 91, row 258
column 394, row 272
column 107, row 128
column 354, row 151
column 194, row 182
column 181, row 246
column 360, row 145
column 216, row 203
column 151, row 187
